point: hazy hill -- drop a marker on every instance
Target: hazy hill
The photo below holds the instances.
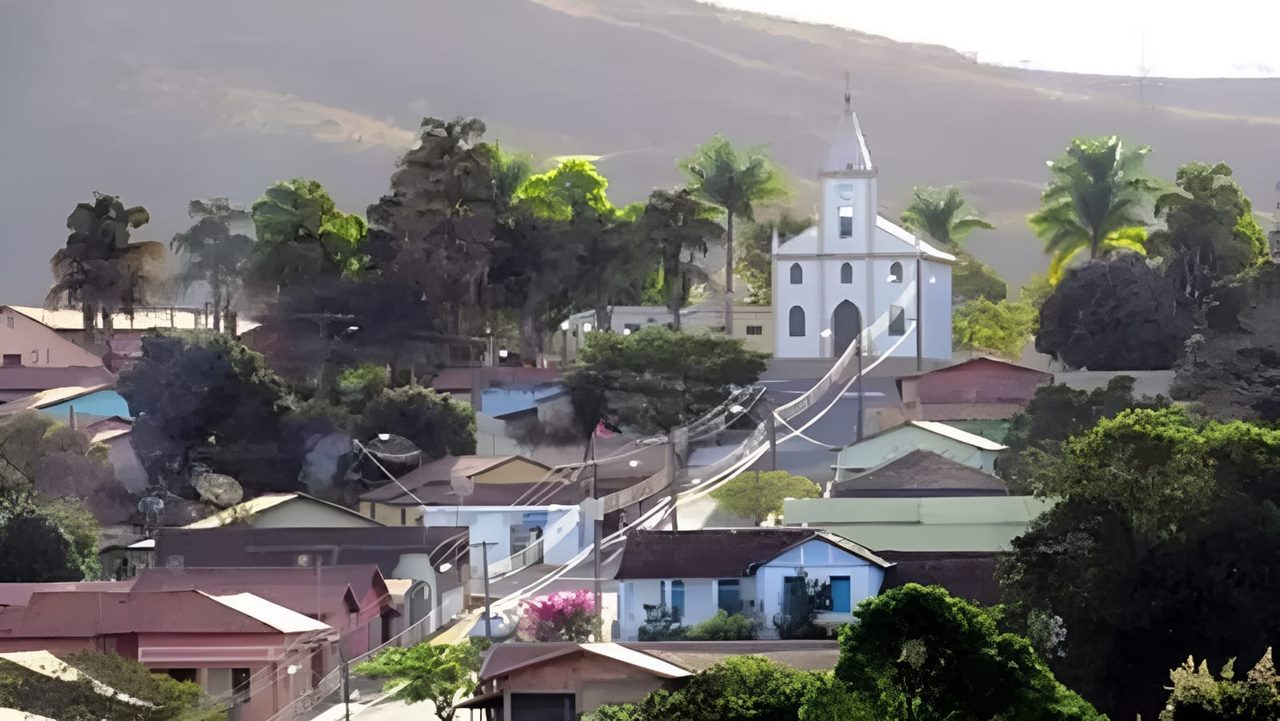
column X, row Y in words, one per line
column 164, row 101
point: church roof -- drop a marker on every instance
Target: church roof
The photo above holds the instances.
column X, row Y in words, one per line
column 901, row 242
column 848, row 151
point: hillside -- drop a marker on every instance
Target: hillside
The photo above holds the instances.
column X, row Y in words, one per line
column 162, row 102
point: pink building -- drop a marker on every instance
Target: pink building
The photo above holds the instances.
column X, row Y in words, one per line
column 238, row 646
column 976, row 389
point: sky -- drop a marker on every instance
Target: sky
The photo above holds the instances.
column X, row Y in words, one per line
column 1173, row 38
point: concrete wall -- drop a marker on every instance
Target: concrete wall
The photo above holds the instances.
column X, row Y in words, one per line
column 920, row 524
column 39, row 345
column 562, row 537
column 900, row 441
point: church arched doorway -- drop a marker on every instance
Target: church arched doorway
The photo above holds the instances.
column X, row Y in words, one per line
column 846, row 323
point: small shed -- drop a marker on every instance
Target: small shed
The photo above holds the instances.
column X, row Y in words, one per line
column 979, row 389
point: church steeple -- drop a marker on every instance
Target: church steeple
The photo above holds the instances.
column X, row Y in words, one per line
column 848, row 152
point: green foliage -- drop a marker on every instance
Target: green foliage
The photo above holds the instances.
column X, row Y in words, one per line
column 1164, row 542
column 215, row 254
column 34, row 548
column 174, row 700
column 565, row 190
column 656, row 379
column 435, row 422
column 30, row 692
column 442, row 674
column 81, row 529
column 204, row 397
column 1197, row 695
column 832, row 700
column 39, row 453
column 1210, row 233
column 756, row 495
column 943, row 215
column 755, row 253
column 677, row 223
column 357, row 387
column 742, row 688
column 1035, row 292
column 1099, row 199
column 722, row 627
column 919, row 653
column 302, row 238
column 1002, row 328
column 99, row 269
column 972, row 279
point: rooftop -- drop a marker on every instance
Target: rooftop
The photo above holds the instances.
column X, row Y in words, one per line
column 305, row 590
column 719, row 552
column 43, row 379
column 552, row 493
column 245, row 512
column 444, row 470
column 982, row 362
column 68, row 319
column 920, row 473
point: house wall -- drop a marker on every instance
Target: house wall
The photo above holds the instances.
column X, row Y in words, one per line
column 301, row 513
column 936, row 523
column 391, row 515
column 593, row 679
column 515, row 471
column 819, row 561
column 900, row 441
column 701, row 601
column 562, row 537
column 40, row 345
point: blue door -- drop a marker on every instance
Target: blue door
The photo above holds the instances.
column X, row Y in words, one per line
column 841, row 595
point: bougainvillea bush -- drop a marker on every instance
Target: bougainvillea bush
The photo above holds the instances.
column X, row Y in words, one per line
column 563, row 616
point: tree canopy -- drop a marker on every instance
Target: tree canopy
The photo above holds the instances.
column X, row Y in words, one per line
column 755, row 260
column 756, row 494
column 655, row 379
column 435, row 422
column 677, row 223
column 1001, row 328
column 1118, row 314
column 1198, row 695
column 1099, row 199
column 918, row 653
column 943, row 215
column 302, row 238
column 443, row 674
column 215, row 254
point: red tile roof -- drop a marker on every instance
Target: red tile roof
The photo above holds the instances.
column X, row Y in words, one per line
column 305, row 590
column 19, row 594
column 37, row 378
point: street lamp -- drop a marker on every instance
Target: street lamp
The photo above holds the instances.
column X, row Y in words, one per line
column 564, row 346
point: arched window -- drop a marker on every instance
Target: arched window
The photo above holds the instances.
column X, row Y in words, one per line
column 895, row 273
column 795, row 319
column 797, row 274
column 846, row 273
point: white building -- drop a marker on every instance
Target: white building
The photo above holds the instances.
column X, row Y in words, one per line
column 855, row 267
column 759, row 572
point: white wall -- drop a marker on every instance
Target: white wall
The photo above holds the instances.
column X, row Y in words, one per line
column 493, row 524
column 700, row 601
column 819, row 561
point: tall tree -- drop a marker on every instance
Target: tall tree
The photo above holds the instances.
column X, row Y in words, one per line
column 435, row 226
column 1210, row 233
column 303, row 239
column 656, row 379
column 1002, row 328
column 215, row 254
column 100, row 270
column 736, row 181
column 755, row 256
column 756, row 495
column 677, row 223
column 943, row 215
column 1099, row 199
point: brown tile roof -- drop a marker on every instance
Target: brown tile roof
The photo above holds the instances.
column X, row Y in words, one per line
column 717, row 553
column 249, row 547
column 490, row 494
column 692, row 656
column 969, row 575
column 920, row 473
column 305, row 590
column 1003, row 365
column 443, row 470
column 19, row 594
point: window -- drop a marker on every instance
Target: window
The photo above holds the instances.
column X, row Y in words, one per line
column 797, row 274
column 846, row 273
column 895, row 273
column 846, row 221
column 8, row 319
column 12, row 359
column 897, row 320
column 240, row 684
column 795, row 319
column 755, row 330
column 729, row 596
column 677, row 600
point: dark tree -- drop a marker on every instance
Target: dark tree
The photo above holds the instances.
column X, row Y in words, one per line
column 33, row 549
column 678, row 223
column 205, row 398
column 1119, row 314
column 215, row 253
column 435, row 422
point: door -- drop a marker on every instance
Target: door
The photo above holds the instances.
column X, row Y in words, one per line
column 794, row 590
column 841, row 595
column 846, row 323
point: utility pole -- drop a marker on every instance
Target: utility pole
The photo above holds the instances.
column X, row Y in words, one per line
column 597, row 527
column 919, row 320
column 346, row 681
column 858, row 352
column 488, row 615
column 671, row 472
column 771, row 423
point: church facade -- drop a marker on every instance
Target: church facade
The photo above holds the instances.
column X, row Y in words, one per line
column 856, row 269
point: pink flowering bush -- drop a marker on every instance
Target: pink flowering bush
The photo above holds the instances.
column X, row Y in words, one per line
column 563, row 616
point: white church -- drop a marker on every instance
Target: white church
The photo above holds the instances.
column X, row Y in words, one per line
column 857, row 268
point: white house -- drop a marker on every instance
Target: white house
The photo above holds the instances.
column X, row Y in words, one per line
column 855, row 267
column 758, row 572
column 889, row 445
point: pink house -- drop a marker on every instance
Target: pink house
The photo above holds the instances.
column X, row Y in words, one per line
column 976, row 389
column 239, row 647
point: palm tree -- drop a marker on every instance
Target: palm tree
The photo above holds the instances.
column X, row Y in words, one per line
column 677, row 222
column 1099, row 199
column 943, row 215
column 215, row 255
column 736, row 181
column 99, row 269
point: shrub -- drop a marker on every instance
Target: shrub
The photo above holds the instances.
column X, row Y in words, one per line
column 660, row 624
column 723, row 627
column 563, row 616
